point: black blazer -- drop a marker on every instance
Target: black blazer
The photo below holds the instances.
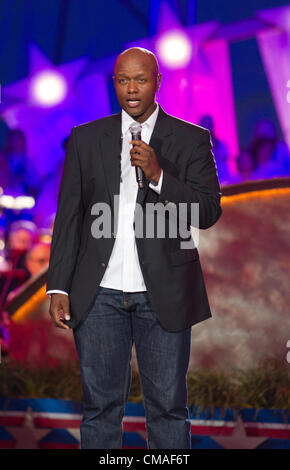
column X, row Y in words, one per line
column 173, row 276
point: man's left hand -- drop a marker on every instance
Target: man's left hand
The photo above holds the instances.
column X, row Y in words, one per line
column 144, row 156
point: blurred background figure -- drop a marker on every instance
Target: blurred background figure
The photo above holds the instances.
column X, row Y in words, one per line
column 4, row 333
column 220, row 149
column 3, row 132
column 4, row 129
column 245, row 165
column 20, row 177
column 37, row 258
column 21, row 237
column 266, row 157
column 270, row 155
column 4, row 265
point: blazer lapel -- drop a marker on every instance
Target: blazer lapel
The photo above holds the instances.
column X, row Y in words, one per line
column 160, row 143
column 111, row 147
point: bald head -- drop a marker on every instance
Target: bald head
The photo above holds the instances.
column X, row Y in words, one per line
column 136, row 79
column 140, row 54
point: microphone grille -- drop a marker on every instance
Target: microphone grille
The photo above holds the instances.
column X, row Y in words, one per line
column 135, row 128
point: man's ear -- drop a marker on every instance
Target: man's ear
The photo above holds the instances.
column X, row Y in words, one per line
column 158, row 81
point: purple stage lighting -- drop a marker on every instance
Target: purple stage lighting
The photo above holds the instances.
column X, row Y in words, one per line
column 48, row 88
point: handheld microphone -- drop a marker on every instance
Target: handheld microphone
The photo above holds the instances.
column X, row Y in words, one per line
column 135, row 130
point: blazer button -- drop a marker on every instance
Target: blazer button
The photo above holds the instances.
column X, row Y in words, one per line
column 113, row 234
column 166, row 202
column 103, row 265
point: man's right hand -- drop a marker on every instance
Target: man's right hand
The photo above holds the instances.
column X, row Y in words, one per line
column 59, row 309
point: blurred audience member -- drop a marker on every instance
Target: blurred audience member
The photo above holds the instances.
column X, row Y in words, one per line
column 19, row 175
column 4, row 265
column 22, row 235
column 4, row 332
column 270, row 155
column 37, row 258
column 245, row 165
column 220, row 149
column 3, row 132
column 266, row 157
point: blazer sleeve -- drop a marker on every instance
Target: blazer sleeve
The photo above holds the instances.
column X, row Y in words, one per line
column 201, row 185
column 68, row 222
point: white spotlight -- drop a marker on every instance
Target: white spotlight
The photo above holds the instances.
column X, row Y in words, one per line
column 49, row 88
column 174, row 49
column 24, row 202
column 7, row 201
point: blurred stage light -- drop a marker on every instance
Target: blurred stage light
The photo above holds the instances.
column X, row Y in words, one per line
column 49, row 88
column 7, row 201
column 24, row 202
column 45, row 238
column 174, row 49
column 17, row 203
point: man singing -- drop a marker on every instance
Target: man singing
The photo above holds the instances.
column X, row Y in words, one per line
column 118, row 289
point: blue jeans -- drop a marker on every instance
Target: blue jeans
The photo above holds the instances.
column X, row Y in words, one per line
column 104, row 342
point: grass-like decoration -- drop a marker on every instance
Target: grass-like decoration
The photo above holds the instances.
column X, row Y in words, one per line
column 265, row 386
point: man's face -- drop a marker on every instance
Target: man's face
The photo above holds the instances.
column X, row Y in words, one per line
column 136, row 82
